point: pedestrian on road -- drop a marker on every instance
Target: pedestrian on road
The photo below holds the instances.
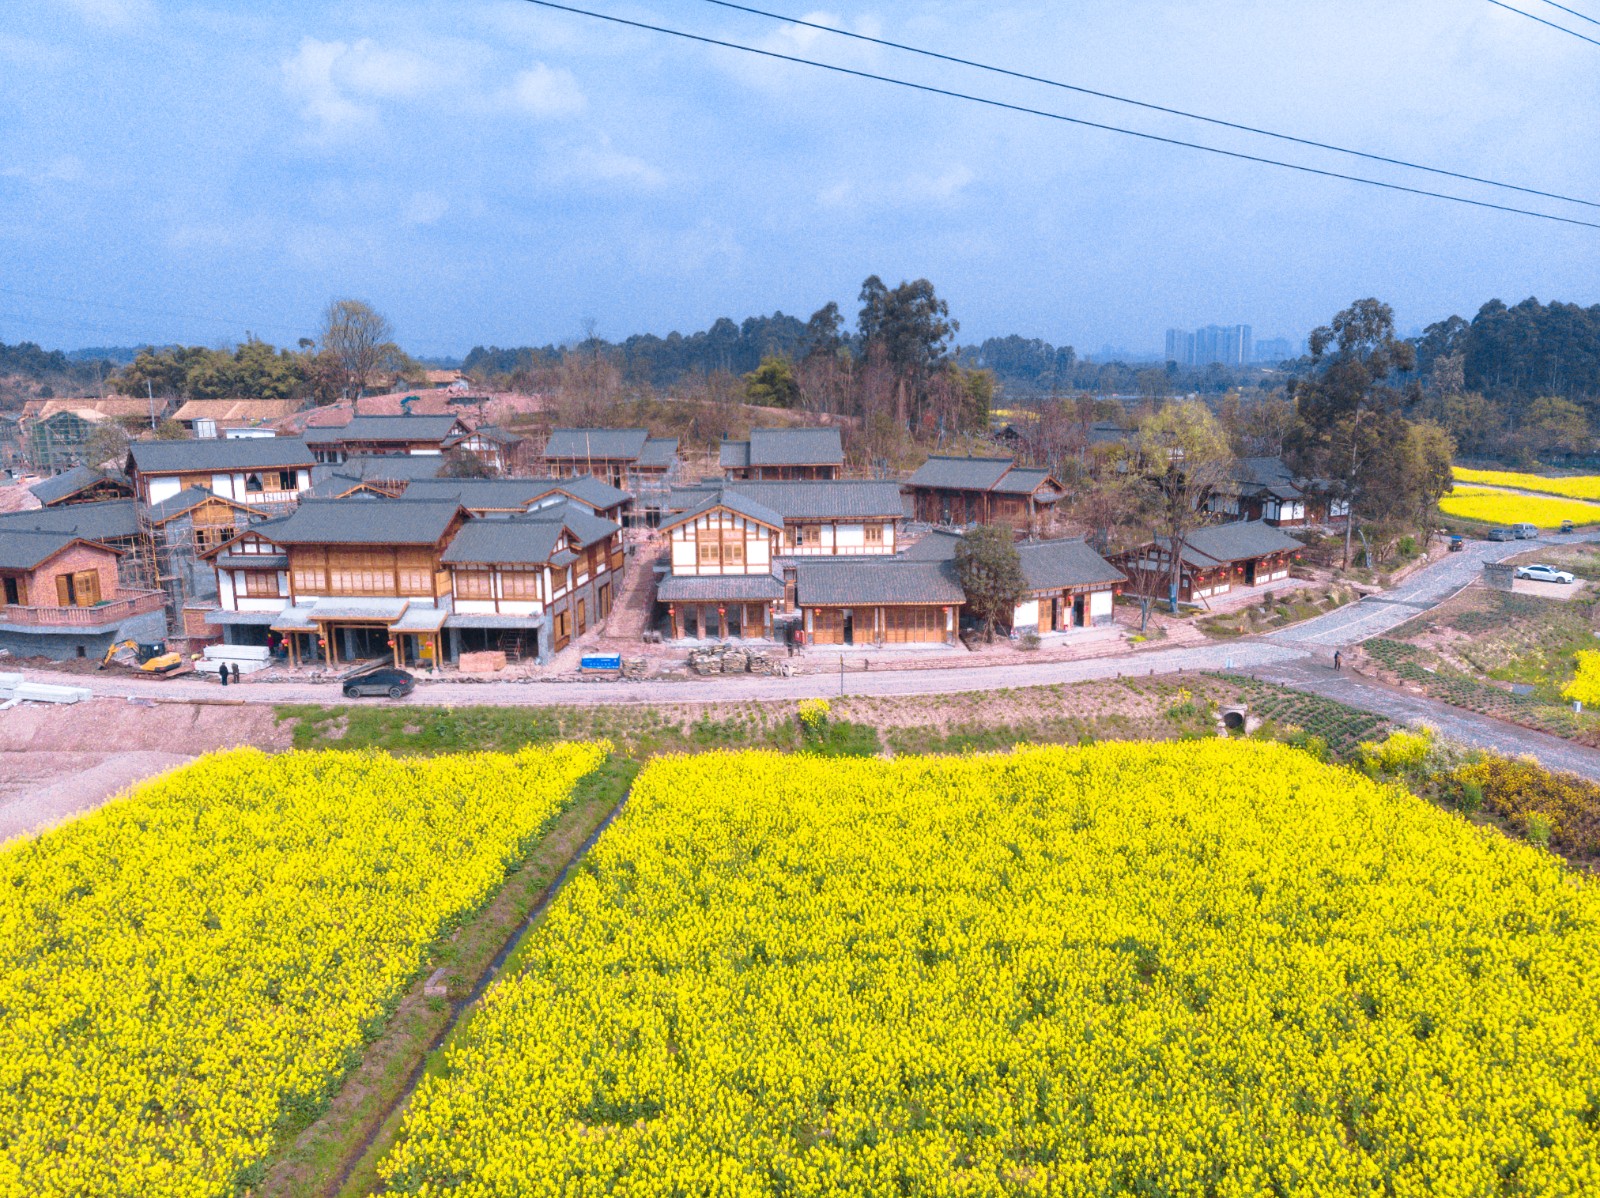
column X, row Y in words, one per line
column 1338, row 661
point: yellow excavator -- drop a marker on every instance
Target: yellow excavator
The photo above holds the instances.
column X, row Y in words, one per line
column 150, row 659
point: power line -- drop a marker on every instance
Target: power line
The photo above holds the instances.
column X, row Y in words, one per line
column 1056, row 116
column 1570, row 11
column 146, row 312
column 1179, row 112
column 1542, row 21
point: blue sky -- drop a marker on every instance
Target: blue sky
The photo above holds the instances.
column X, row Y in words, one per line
column 485, row 171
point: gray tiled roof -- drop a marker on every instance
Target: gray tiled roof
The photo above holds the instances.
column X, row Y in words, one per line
column 1240, row 541
column 1026, row 482
column 610, row 444
column 867, row 581
column 244, row 453
column 21, row 550
column 735, row 502
column 175, row 505
column 586, row 488
column 734, row 455
column 373, row 522
column 479, row 494
column 398, row 429
column 109, row 519
column 713, row 588
column 796, row 447
column 79, row 478
column 509, row 542
column 489, row 432
column 1054, row 565
column 659, row 452
column 938, row 546
column 824, row 500
column 960, row 474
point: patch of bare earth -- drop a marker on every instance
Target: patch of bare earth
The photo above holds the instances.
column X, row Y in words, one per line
column 60, row 761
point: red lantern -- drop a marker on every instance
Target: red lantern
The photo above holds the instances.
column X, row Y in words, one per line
column 721, row 611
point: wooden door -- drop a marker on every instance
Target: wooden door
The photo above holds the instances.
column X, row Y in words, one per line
column 583, row 616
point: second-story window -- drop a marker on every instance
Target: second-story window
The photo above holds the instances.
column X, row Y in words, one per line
column 261, row 584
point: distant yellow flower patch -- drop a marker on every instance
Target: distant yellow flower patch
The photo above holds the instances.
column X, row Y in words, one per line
column 1502, row 507
column 1576, row 487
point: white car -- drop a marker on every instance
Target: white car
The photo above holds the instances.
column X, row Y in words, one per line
column 1544, row 574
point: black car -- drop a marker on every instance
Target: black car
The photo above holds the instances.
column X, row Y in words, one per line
column 394, row 683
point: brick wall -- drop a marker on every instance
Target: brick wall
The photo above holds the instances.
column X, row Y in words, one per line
column 42, row 582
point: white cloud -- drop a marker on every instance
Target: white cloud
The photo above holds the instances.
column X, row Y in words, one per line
column 545, row 92
column 66, row 169
column 602, row 164
column 426, row 208
column 309, row 78
column 917, row 189
column 113, row 14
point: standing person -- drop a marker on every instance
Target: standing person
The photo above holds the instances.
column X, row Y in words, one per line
column 1338, row 661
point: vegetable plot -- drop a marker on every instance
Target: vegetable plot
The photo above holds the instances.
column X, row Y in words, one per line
column 1205, row 968
column 195, row 966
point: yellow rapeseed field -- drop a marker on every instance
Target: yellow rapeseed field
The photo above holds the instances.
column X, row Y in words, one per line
column 1503, row 507
column 1584, row 486
column 1206, row 968
column 188, row 965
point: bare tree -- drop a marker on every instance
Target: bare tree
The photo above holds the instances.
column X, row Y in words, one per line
column 360, row 340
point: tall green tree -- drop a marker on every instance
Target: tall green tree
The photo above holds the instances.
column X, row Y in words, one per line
column 1182, row 459
column 912, row 326
column 772, row 384
column 1350, row 409
column 990, row 571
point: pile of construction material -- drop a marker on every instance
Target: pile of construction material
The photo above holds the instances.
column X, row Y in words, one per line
column 14, row 690
column 729, row 659
column 237, row 659
column 635, row 667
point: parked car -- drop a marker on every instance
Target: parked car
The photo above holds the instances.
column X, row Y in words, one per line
column 1541, row 573
column 1525, row 532
column 394, row 683
column 1502, row 534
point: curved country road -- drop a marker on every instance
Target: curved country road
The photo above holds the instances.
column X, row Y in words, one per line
column 1300, row 657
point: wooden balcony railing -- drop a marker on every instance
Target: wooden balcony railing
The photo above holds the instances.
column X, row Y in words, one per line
column 126, row 604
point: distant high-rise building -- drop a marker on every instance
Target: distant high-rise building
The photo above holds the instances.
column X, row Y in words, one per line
column 1275, row 349
column 1229, row 344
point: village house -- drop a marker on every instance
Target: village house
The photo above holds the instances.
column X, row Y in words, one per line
column 531, row 584
column 515, row 496
column 387, row 476
column 268, row 473
column 60, row 598
column 208, row 418
column 1216, row 560
column 833, row 518
column 1070, row 586
column 780, row 454
column 721, row 583
column 110, row 522
column 82, row 484
column 872, row 602
column 346, row 581
column 496, row 448
column 59, row 440
column 965, row 490
column 1265, row 489
column 384, row 435
column 629, row 458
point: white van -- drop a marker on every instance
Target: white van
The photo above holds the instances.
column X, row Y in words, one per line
column 1525, row 532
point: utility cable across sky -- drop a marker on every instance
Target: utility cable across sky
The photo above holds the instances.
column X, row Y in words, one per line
column 1162, row 108
column 1062, row 117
